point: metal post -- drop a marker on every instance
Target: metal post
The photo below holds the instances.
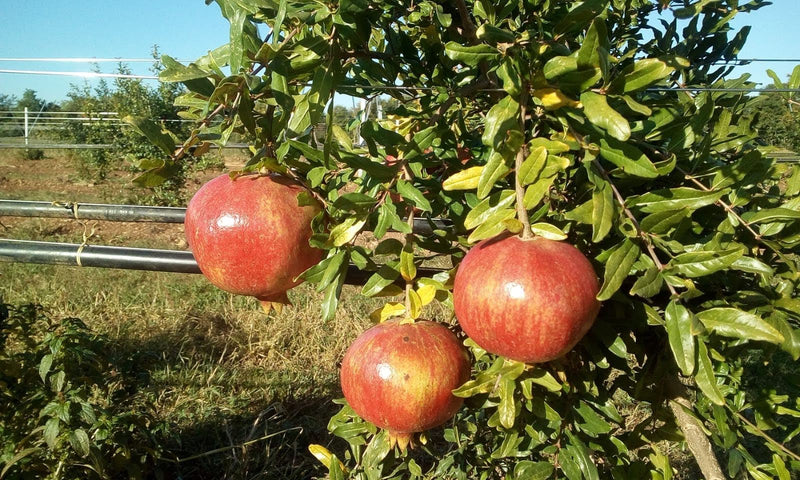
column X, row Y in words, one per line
column 26, row 126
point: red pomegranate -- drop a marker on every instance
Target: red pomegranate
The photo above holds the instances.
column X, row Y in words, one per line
column 529, row 300
column 250, row 237
column 400, row 376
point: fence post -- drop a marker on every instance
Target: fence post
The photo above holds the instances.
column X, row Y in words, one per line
column 26, row 126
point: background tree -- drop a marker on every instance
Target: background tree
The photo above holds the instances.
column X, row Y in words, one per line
column 581, row 128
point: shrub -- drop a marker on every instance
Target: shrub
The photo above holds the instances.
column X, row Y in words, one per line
column 65, row 411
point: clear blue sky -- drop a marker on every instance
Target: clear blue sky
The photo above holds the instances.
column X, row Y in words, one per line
column 187, row 29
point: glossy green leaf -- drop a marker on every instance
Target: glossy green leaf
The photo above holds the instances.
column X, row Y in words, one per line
column 649, row 284
column 702, row 263
column 494, row 170
column 705, row 377
column 80, row 442
column 618, row 267
column 628, row 158
column 676, row 199
column 507, row 407
column 385, row 276
column 487, row 207
column 492, row 226
column 528, row 470
column 602, row 210
column 642, row 74
column 412, row 193
column 408, row 270
column 600, row 113
column 735, row 323
column 470, row 55
column 663, row 221
column 593, row 424
column 533, row 165
column 155, row 134
column 681, row 338
column 501, row 118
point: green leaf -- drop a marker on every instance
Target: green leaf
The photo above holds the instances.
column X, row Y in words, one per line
column 507, row 408
column 702, row 263
column 346, row 231
column 662, row 222
column 598, row 111
column 735, row 323
column 50, row 434
column 627, row 157
column 492, row 226
column 602, row 210
column 44, row 366
column 533, row 165
column 80, row 442
column 594, row 45
column 153, row 132
column 471, row 56
column 487, row 207
column 335, row 267
column 705, row 377
column 174, row 71
column 580, row 453
column 642, row 74
column 649, row 284
column 410, row 192
column 675, row 199
column 617, row 268
column 528, row 470
column 771, row 215
column 501, row 118
column 681, row 338
column 593, row 424
column 494, row 170
column 385, row 276
column 355, row 202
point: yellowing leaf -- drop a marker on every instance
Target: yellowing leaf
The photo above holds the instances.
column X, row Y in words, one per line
column 548, row 231
column 415, row 303
column 324, row 456
column 553, row 99
column 426, row 293
column 464, row 180
column 387, row 311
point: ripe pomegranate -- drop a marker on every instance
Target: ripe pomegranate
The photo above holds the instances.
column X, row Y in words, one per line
column 529, row 300
column 250, row 237
column 400, row 376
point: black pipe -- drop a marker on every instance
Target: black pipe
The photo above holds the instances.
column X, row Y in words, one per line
column 154, row 260
column 139, row 213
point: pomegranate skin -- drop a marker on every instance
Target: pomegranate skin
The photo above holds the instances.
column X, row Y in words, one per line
column 528, row 300
column 400, row 377
column 249, row 236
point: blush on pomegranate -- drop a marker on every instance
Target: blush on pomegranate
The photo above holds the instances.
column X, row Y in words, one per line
column 250, row 236
column 529, row 300
column 400, row 376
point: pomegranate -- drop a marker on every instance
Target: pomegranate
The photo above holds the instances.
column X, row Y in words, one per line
column 529, row 300
column 250, row 237
column 400, row 376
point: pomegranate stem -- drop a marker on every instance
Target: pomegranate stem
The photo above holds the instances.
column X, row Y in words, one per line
column 522, row 213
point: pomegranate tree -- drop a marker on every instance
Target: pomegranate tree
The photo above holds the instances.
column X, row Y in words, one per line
column 529, row 300
column 250, row 235
column 400, row 376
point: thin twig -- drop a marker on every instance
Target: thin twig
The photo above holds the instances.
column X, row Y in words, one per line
column 764, row 435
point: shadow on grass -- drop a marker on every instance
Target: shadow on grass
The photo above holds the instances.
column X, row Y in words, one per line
column 225, row 416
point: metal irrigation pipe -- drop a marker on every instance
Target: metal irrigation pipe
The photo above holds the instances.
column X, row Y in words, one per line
column 139, row 213
column 148, row 259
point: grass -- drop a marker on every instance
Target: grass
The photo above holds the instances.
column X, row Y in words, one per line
column 241, row 393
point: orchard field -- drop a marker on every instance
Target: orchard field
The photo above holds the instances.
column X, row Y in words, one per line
column 618, row 286
column 217, row 379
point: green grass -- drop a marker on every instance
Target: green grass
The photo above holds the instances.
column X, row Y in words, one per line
column 213, row 366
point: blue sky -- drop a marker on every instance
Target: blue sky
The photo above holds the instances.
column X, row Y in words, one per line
column 187, row 29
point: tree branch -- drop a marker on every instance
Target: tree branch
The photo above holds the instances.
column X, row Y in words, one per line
column 693, row 431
